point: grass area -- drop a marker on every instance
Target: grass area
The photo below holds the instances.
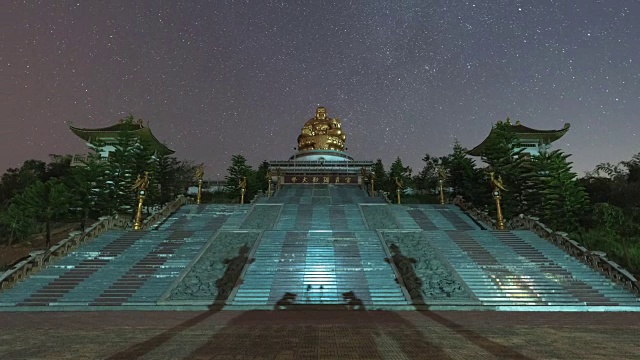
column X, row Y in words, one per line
column 613, row 245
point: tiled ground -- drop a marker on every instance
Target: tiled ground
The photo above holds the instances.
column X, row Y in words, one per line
column 319, row 335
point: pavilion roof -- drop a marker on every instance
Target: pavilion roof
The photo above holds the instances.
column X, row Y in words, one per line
column 523, row 132
column 112, row 132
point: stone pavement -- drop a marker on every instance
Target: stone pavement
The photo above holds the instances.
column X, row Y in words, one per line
column 305, row 334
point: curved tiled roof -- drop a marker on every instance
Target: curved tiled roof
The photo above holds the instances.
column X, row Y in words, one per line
column 547, row 136
column 112, row 132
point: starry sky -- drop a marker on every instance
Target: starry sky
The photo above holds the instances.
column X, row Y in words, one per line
column 406, row 78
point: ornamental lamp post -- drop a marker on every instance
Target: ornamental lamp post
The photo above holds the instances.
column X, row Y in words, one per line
column 138, row 223
column 497, row 186
column 140, row 185
column 373, row 190
column 398, row 188
column 243, row 187
column 199, row 176
column 442, row 176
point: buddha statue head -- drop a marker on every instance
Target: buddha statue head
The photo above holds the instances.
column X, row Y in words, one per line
column 321, row 133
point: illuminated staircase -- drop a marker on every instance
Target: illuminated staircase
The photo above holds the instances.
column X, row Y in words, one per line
column 320, row 252
column 124, row 267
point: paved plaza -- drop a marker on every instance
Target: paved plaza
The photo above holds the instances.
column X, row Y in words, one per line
column 305, row 334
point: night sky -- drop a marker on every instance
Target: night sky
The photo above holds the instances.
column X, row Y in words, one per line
column 406, row 79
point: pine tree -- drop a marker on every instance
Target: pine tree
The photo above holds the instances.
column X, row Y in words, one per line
column 564, row 200
column 261, row 177
column 237, row 171
column 123, row 168
column 427, row 180
column 504, row 159
column 464, row 178
column 91, row 193
column 379, row 176
column 403, row 173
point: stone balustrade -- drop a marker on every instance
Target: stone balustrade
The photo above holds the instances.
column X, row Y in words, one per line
column 597, row 260
column 39, row 258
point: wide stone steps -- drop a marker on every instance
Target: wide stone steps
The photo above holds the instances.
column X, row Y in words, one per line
column 432, row 217
column 320, row 217
column 506, row 268
column 125, row 267
column 322, row 194
column 323, row 267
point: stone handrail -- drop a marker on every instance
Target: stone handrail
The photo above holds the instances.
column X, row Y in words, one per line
column 597, row 260
column 39, row 258
column 169, row 209
column 480, row 217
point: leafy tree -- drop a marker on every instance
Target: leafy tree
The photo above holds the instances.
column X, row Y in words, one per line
column 15, row 180
column 45, row 203
column 17, row 224
column 237, row 170
column 59, row 166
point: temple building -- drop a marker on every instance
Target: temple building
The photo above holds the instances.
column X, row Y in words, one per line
column 530, row 141
column 320, row 156
column 108, row 138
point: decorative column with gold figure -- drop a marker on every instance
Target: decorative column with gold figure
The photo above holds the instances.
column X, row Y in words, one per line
column 243, row 188
column 279, row 180
column 399, row 187
column 497, row 187
column 269, row 181
column 199, row 176
column 373, row 189
column 442, row 176
column 141, row 186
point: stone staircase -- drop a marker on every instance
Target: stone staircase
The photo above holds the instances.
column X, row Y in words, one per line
column 519, row 268
column 320, row 245
column 125, row 267
column 321, row 194
column 320, row 252
column 320, row 267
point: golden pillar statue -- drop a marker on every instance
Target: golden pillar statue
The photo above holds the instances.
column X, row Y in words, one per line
column 497, row 187
column 373, row 190
column 141, row 186
column 442, row 176
column 199, row 176
column 279, row 181
column 399, row 186
column 269, row 181
column 243, row 188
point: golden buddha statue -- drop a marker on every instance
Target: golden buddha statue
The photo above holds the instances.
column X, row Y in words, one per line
column 321, row 133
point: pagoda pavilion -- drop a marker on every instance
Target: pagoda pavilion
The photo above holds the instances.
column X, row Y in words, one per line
column 530, row 141
column 320, row 156
column 107, row 137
